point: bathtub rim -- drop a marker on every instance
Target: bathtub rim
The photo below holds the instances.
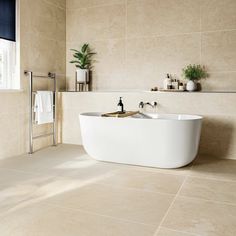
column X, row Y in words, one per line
column 189, row 117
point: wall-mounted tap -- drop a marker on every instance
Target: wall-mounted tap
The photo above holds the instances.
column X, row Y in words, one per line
column 143, row 104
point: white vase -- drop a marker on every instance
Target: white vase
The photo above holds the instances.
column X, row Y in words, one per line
column 82, row 75
column 191, row 86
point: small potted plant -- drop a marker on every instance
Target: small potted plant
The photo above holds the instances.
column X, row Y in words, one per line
column 83, row 61
column 194, row 73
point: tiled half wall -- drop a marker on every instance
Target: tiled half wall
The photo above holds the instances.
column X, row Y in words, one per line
column 219, row 124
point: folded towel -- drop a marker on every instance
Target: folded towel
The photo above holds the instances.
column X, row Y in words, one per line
column 120, row 115
column 43, row 107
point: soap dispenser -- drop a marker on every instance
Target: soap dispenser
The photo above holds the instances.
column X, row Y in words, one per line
column 120, row 106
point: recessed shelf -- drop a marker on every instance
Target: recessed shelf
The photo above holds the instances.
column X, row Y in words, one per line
column 146, row 91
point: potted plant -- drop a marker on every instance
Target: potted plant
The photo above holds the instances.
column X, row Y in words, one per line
column 83, row 61
column 194, row 73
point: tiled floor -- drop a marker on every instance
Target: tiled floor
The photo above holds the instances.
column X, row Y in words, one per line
column 62, row 192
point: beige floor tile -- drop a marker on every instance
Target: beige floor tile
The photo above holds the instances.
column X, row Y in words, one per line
column 46, row 158
column 135, row 205
column 34, row 189
column 8, row 176
column 146, row 180
column 169, row 232
column 133, row 200
column 45, row 220
column 202, row 217
column 208, row 189
column 214, row 168
column 64, row 160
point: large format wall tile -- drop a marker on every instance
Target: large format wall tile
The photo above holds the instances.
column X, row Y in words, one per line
column 161, row 17
column 218, row 51
column 150, row 58
column 58, row 3
column 218, row 15
column 96, row 23
column 223, row 81
column 109, row 63
column 109, row 58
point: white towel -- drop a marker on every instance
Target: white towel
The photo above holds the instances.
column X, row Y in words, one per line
column 43, row 107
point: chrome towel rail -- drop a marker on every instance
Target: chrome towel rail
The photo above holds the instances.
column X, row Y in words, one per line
column 31, row 110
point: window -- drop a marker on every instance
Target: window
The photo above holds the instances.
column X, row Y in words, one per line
column 7, row 64
column 8, row 61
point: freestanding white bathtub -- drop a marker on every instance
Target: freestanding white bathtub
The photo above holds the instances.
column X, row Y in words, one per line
column 155, row 140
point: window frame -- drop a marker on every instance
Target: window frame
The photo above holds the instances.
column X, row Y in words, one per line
column 11, row 76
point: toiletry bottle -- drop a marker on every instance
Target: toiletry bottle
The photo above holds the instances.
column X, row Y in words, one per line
column 181, row 86
column 175, row 84
column 120, row 106
column 167, row 82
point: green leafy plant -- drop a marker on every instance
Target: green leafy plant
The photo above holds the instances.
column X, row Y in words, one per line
column 195, row 72
column 83, row 58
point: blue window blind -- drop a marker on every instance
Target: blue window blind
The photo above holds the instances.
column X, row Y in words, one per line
column 8, row 19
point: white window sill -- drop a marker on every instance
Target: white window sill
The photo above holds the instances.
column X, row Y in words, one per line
column 11, row 90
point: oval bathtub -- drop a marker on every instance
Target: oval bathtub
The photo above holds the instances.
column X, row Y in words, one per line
column 155, row 140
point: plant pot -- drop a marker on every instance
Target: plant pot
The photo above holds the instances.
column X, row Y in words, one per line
column 82, row 75
column 191, row 86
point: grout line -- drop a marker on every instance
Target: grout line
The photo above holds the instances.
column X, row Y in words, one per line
column 55, row 5
column 123, row 167
column 180, row 34
column 96, row 214
column 172, row 203
column 135, row 189
column 59, row 176
column 126, row 3
column 25, row 171
column 168, row 210
column 95, row 6
column 159, row 171
column 178, row 231
column 212, row 73
column 217, row 31
column 208, row 200
column 126, row 46
column 153, row 36
column 212, row 178
column 20, row 171
column 201, row 34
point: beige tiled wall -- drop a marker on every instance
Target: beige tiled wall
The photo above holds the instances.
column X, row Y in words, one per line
column 139, row 41
column 42, row 48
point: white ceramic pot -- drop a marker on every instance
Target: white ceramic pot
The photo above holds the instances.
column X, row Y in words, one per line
column 191, row 86
column 82, row 75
